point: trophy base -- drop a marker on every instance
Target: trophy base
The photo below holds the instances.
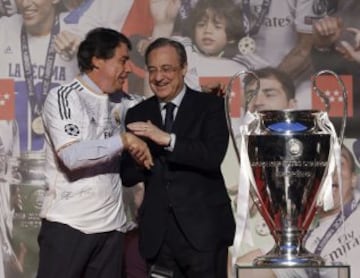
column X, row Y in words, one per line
column 289, row 256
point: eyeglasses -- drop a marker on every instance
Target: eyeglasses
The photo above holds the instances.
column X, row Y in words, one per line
column 166, row 70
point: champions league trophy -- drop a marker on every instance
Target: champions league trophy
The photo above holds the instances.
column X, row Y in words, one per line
column 285, row 157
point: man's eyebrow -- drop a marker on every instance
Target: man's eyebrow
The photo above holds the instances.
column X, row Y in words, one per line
column 269, row 89
column 124, row 57
column 161, row 66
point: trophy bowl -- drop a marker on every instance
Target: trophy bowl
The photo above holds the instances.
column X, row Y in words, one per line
column 284, row 158
column 288, row 153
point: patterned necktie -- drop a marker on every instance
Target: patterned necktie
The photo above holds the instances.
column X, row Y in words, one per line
column 169, row 116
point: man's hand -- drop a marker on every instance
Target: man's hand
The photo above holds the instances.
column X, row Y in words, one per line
column 348, row 50
column 326, row 31
column 142, row 45
column 147, row 129
column 66, row 44
column 138, row 149
column 164, row 11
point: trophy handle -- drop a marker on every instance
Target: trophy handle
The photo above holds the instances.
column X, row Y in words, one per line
column 252, row 192
column 228, row 91
column 322, row 95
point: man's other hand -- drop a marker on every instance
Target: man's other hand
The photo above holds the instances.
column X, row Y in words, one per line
column 138, row 149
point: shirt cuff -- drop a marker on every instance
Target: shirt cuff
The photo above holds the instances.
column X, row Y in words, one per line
column 115, row 143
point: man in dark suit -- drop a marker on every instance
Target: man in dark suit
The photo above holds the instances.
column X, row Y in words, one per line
column 186, row 221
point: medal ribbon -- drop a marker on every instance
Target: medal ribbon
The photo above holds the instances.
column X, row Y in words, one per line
column 265, row 7
column 36, row 103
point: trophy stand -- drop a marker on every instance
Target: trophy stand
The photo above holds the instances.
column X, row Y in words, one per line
column 288, row 252
column 325, row 271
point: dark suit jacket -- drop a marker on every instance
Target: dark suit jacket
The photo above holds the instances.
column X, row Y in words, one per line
column 187, row 180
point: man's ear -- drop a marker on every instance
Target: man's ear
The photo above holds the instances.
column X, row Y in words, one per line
column 96, row 62
column 184, row 69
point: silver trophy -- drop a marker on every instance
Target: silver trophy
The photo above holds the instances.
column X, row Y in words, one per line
column 288, row 154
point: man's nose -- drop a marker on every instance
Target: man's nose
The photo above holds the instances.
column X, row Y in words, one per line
column 128, row 66
column 259, row 102
column 158, row 74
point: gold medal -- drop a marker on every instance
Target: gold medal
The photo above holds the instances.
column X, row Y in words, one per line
column 247, row 45
column 37, row 126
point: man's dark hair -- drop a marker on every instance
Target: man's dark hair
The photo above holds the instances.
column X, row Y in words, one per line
column 161, row 42
column 100, row 43
column 285, row 80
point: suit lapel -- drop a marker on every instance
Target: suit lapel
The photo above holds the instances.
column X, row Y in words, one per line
column 185, row 115
column 154, row 112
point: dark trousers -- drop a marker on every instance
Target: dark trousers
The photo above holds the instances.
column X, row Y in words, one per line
column 177, row 255
column 134, row 265
column 68, row 253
